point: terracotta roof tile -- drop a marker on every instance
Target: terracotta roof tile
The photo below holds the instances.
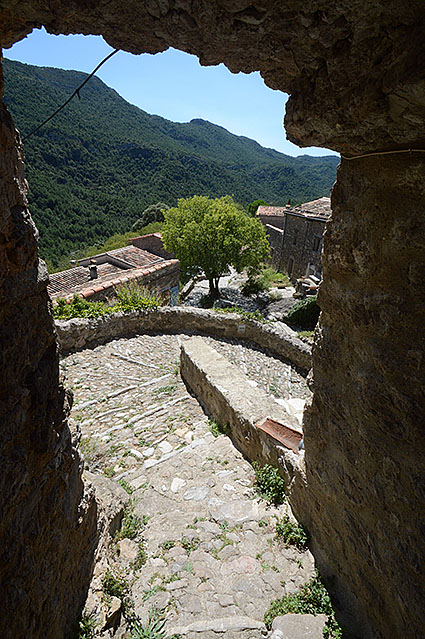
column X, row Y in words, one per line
column 135, row 256
column 66, row 281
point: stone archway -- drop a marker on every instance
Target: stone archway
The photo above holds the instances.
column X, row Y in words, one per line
column 356, row 77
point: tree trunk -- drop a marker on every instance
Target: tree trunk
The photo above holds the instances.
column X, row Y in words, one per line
column 213, row 283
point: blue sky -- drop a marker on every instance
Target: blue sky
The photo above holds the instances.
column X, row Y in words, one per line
column 171, row 84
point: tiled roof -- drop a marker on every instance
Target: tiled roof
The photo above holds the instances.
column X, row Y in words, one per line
column 320, row 208
column 66, row 281
column 134, row 256
column 77, row 279
column 317, row 208
column 122, row 277
column 272, row 210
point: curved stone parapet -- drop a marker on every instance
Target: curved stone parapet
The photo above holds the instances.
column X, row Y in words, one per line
column 76, row 334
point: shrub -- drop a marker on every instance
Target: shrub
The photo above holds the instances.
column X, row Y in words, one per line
column 134, row 297
column 269, row 484
column 78, row 307
column 263, row 281
column 291, row 533
column 131, row 297
column 304, row 313
column 313, row 599
column 253, row 286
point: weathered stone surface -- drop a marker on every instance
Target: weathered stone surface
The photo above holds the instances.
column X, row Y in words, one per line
column 357, row 81
column 221, row 625
column 111, row 497
column 215, row 555
column 364, row 443
column 226, row 393
column 298, row 627
column 48, row 517
column 76, row 334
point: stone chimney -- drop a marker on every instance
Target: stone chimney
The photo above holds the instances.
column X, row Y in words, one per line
column 93, row 270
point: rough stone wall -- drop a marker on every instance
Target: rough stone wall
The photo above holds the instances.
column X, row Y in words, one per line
column 225, row 393
column 152, row 243
column 278, row 221
column 48, row 519
column 76, row 334
column 299, row 247
column 364, row 433
column 356, row 75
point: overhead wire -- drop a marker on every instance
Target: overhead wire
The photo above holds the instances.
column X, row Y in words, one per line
column 76, row 92
column 373, row 153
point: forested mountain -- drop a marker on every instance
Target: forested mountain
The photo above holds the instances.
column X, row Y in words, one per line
column 96, row 166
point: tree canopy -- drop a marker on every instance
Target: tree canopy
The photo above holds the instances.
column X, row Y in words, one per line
column 251, row 209
column 210, row 235
column 153, row 213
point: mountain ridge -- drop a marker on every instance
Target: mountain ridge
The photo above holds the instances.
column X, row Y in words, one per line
column 94, row 168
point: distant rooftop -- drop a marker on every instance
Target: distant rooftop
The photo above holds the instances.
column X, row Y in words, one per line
column 105, row 267
column 320, row 208
column 273, row 210
column 316, row 208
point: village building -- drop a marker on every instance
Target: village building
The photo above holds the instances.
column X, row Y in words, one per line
column 144, row 261
column 295, row 236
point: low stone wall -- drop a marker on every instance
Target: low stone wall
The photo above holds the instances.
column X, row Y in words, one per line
column 225, row 392
column 76, row 334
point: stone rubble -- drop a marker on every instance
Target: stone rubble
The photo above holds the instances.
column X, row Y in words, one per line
column 212, row 559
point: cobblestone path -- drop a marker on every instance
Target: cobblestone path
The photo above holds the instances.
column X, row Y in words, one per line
column 208, row 552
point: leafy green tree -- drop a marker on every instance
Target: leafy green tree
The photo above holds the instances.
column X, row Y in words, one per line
column 210, row 235
column 251, row 209
column 153, row 213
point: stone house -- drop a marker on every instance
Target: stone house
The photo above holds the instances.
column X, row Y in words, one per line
column 144, row 261
column 295, row 236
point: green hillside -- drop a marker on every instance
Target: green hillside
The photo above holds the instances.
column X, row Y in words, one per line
column 95, row 167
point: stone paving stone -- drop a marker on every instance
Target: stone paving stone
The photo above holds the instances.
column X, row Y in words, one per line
column 211, row 554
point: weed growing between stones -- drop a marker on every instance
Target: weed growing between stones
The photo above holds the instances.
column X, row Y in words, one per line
column 269, row 484
column 313, row 599
column 168, row 544
column 131, row 525
column 190, row 545
column 88, row 448
column 142, row 556
column 306, row 334
column 291, row 533
column 154, row 628
column 248, row 315
column 114, row 584
column 109, row 472
column 165, row 390
column 128, row 489
column 87, row 626
column 216, row 428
